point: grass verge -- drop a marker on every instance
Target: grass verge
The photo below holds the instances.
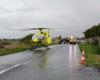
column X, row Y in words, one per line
column 13, row 49
column 92, row 54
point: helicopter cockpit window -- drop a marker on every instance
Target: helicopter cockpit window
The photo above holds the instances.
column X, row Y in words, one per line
column 40, row 37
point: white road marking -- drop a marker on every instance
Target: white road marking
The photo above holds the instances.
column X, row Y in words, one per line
column 7, row 69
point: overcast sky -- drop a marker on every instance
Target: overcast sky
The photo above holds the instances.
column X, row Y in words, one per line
column 74, row 15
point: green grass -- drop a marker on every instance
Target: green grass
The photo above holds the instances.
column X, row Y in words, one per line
column 13, row 49
column 92, row 54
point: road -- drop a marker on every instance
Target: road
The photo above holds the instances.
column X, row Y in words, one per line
column 60, row 62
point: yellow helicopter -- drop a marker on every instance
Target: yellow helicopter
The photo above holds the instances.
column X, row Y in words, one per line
column 41, row 38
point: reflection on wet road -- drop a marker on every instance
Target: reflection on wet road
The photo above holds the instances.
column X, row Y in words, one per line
column 61, row 62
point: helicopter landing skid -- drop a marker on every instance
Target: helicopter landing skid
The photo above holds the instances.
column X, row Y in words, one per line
column 47, row 48
column 36, row 47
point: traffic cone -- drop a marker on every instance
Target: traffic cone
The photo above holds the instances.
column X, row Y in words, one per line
column 83, row 59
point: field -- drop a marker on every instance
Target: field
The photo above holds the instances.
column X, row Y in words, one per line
column 13, row 48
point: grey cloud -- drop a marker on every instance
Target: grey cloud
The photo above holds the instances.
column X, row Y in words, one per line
column 75, row 15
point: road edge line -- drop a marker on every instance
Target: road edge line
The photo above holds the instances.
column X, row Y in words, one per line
column 7, row 69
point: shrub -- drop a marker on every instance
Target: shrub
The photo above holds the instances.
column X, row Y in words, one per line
column 98, row 50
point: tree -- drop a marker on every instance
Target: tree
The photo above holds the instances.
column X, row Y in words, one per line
column 93, row 32
column 27, row 39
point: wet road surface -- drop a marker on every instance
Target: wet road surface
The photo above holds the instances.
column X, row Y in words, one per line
column 61, row 62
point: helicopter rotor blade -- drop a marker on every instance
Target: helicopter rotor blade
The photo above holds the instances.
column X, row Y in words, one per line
column 27, row 29
column 30, row 29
